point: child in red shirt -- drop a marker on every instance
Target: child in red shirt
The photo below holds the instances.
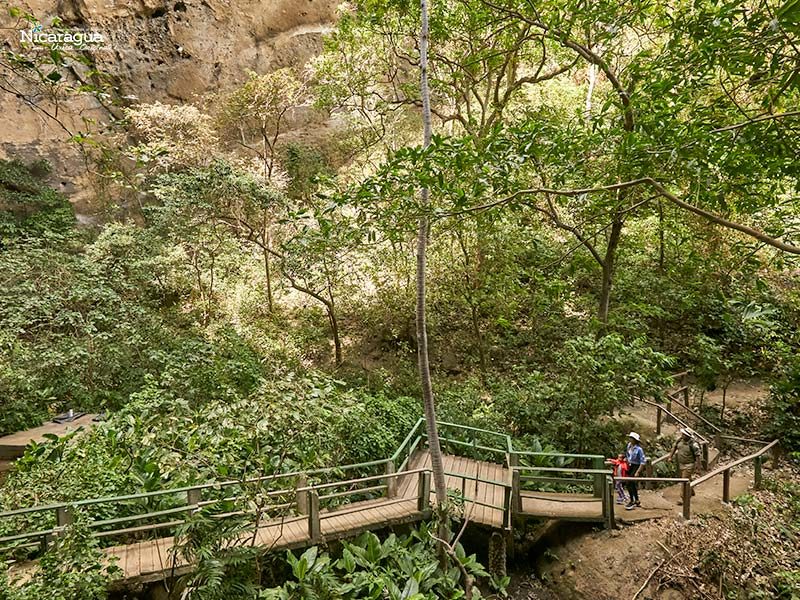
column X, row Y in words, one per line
column 620, row 470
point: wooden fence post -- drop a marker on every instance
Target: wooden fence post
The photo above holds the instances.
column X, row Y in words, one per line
column 599, row 478
column 301, row 497
column 507, row 499
column 516, row 494
column 63, row 516
column 608, row 504
column 704, row 460
column 686, row 395
column 314, row 530
column 391, row 481
column 776, row 456
column 687, row 500
column 658, row 420
column 424, row 497
column 757, row 475
column 194, row 496
column 726, row 485
column 513, row 460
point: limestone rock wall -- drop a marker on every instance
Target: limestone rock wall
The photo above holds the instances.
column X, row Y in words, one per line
column 166, row 50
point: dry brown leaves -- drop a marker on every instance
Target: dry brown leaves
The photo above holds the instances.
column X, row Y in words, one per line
column 744, row 550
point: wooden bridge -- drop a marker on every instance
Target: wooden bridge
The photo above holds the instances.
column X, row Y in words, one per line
column 494, row 484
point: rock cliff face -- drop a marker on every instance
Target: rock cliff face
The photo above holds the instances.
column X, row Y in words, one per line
column 166, row 50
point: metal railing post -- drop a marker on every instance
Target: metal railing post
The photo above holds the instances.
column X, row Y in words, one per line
column 424, row 497
column 314, row 530
column 513, row 460
column 391, row 482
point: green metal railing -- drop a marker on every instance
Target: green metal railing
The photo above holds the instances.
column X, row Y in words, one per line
column 275, row 494
column 318, row 494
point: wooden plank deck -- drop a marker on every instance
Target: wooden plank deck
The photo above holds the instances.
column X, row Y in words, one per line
column 566, row 507
column 13, row 446
column 481, row 492
column 152, row 560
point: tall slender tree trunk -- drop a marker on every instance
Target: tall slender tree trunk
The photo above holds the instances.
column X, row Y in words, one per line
column 591, row 75
column 422, row 332
column 476, row 330
column 267, row 270
column 337, row 341
column 608, row 270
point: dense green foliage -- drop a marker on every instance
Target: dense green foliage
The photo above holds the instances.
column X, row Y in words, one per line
column 613, row 196
column 399, row 568
column 72, row 569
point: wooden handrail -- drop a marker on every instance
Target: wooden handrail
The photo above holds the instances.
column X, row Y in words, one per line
column 324, row 486
column 185, row 489
column 565, row 470
column 649, row 479
column 729, row 466
column 741, row 439
column 689, row 410
column 678, row 419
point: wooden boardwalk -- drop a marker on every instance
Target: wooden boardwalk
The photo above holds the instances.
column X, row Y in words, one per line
column 313, row 507
column 152, row 560
column 13, row 446
column 566, row 507
column 483, row 502
column 322, row 505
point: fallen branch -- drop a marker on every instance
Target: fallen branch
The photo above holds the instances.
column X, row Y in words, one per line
column 663, row 563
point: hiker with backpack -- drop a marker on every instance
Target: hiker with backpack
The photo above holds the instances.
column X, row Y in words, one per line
column 688, row 455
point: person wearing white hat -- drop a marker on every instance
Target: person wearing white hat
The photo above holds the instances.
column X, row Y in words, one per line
column 688, row 454
column 636, row 462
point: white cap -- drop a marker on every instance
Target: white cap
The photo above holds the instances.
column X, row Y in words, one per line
column 634, row 435
column 686, row 431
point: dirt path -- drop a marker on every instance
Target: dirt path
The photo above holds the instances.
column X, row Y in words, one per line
column 606, row 565
column 740, row 393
